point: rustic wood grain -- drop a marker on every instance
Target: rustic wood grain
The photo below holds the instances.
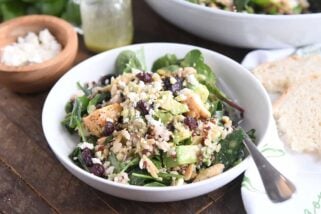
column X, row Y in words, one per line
column 13, row 190
column 36, row 182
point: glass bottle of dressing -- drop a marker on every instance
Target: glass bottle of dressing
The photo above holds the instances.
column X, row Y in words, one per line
column 106, row 24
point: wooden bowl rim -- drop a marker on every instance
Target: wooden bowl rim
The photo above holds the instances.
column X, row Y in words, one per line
column 72, row 42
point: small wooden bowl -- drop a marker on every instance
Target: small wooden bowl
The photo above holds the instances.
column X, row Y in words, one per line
column 37, row 77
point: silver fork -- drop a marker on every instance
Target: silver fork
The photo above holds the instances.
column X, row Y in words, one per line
column 277, row 186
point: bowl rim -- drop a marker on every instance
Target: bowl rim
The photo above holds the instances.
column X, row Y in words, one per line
column 246, row 15
column 64, row 53
column 69, row 165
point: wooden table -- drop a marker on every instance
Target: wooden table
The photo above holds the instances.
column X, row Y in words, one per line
column 33, row 181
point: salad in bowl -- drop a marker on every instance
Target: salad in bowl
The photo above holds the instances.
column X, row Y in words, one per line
column 164, row 127
column 259, row 6
column 155, row 127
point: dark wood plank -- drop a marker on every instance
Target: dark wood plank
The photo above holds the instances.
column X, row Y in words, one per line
column 228, row 202
column 16, row 197
column 185, row 206
column 43, row 172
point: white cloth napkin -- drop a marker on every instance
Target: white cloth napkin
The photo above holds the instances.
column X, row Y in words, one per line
column 304, row 170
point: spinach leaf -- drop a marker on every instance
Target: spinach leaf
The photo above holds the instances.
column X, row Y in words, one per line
column 167, row 178
column 171, row 68
column 133, row 162
column 241, row 4
column 251, row 134
column 168, row 175
column 126, row 61
column 232, row 149
column 92, row 139
column 84, row 89
column 73, row 120
column 116, row 163
column 108, row 139
column 98, row 98
column 83, row 102
column 140, row 177
column 68, row 106
column 195, row 59
column 75, row 153
column 262, row 3
column 165, row 61
column 140, row 54
column 82, row 162
column 219, row 94
column 157, row 161
column 206, row 76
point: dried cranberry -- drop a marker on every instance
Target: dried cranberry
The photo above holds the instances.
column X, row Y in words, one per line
column 191, row 122
column 109, row 128
column 97, row 169
column 177, row 86
column 170, row 127
column 106, row 79
column 142, row 107
column 86, row 156
column 145, row 77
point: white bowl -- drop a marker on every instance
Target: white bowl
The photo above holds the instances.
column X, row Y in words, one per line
column 247, row 91
column 241, row 29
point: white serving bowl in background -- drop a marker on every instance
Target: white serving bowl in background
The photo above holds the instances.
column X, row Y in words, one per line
column 243, row 88
column 241, row 29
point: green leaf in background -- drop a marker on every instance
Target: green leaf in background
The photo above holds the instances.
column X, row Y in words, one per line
column 33, row 10
column 126, row 61
column 72, row 13
column 29, row 1
column 51, row 7
column 66, row 9
column 12, row 9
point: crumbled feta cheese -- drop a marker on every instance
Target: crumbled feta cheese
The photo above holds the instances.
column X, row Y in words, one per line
column 122, row 178
column 84, row 145
column 172, row 80
column 109, row 170
column 96, row 161
column 191, row 79
column 31, row 49
column 99, row 155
